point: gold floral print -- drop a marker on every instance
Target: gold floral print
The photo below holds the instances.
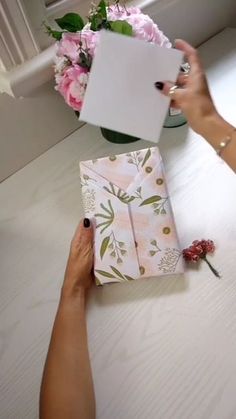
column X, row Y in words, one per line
column 166, row 230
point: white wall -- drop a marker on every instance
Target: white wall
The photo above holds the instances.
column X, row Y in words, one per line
column 30, row 126
column 194, row 20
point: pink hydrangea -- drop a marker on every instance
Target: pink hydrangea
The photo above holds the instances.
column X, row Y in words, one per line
column 72, row 85
column 70, row 44
column 143, row 26
column 71, row 78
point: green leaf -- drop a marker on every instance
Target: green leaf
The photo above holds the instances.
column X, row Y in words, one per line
column 71, row 22
column 55, row 34
column 112, row 211
column 97, row 282
column 108, row 217
column 121, row 26
column 103, row 9
column 112, row 188
column 105, row 209
column 154, row 242
column 104, row 245
column 129, row 278
column 104, row 273
column 104, row 228
column 106, row 224
column 106, row 189
column 96, row 22
column 102, row 224
column 147, row 155
column 118, row 273
column 150, row 200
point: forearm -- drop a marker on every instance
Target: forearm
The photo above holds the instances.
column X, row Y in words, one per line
column 215, row 129
column 67, row 387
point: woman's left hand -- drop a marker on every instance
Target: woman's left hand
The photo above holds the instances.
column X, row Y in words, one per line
column 78, row 274
column 67, row 385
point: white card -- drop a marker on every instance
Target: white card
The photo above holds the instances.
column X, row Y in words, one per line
column 121, row 95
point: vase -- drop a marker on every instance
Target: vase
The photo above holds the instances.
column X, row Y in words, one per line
column 117, row 137
column 174, row 118
column 114, row 136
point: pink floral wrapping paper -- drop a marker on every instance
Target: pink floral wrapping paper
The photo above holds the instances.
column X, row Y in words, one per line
column 126, row 198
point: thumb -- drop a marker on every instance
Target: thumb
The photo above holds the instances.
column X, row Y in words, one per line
column 83, row 234
column 86, row 231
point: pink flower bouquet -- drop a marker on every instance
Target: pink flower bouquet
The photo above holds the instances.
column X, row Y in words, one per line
column 77, row 43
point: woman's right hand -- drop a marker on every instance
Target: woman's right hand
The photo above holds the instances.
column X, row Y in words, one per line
column 193, row 97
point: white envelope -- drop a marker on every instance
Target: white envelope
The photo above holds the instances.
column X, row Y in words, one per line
column 121, row 95
column 127, row 200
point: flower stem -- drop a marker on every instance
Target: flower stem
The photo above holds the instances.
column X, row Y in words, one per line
column 215, row 272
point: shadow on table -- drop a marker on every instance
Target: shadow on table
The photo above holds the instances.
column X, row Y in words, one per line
column 141, row 289
column 173, row 138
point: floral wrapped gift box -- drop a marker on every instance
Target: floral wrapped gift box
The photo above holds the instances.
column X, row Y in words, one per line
column 127, row 200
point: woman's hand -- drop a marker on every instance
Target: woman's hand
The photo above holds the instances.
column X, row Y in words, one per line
column 67, row 385
column 193, row 97
column 78, row 274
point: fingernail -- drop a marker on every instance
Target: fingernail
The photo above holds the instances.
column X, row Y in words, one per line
column 159, row 85
column 86, row 222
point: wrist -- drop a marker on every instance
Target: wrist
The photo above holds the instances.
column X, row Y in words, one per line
column 214, row 129
column 76, row 295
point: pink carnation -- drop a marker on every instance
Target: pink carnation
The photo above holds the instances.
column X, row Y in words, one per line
column 70, row 44
column 143, row 26
column 72, row 85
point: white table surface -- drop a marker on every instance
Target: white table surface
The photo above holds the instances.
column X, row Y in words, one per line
column 160, row 348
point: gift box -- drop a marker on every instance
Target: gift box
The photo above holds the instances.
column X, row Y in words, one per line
column 126, row 198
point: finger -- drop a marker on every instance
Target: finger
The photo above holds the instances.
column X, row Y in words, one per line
column 182, row 79
column 165, row 87
column 83, row 234
column 174, row 105
column 190, row 53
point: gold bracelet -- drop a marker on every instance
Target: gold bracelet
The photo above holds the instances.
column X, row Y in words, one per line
column 224, row 143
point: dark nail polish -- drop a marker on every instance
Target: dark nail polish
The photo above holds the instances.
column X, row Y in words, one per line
column 86, row 222
column 159, row 85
